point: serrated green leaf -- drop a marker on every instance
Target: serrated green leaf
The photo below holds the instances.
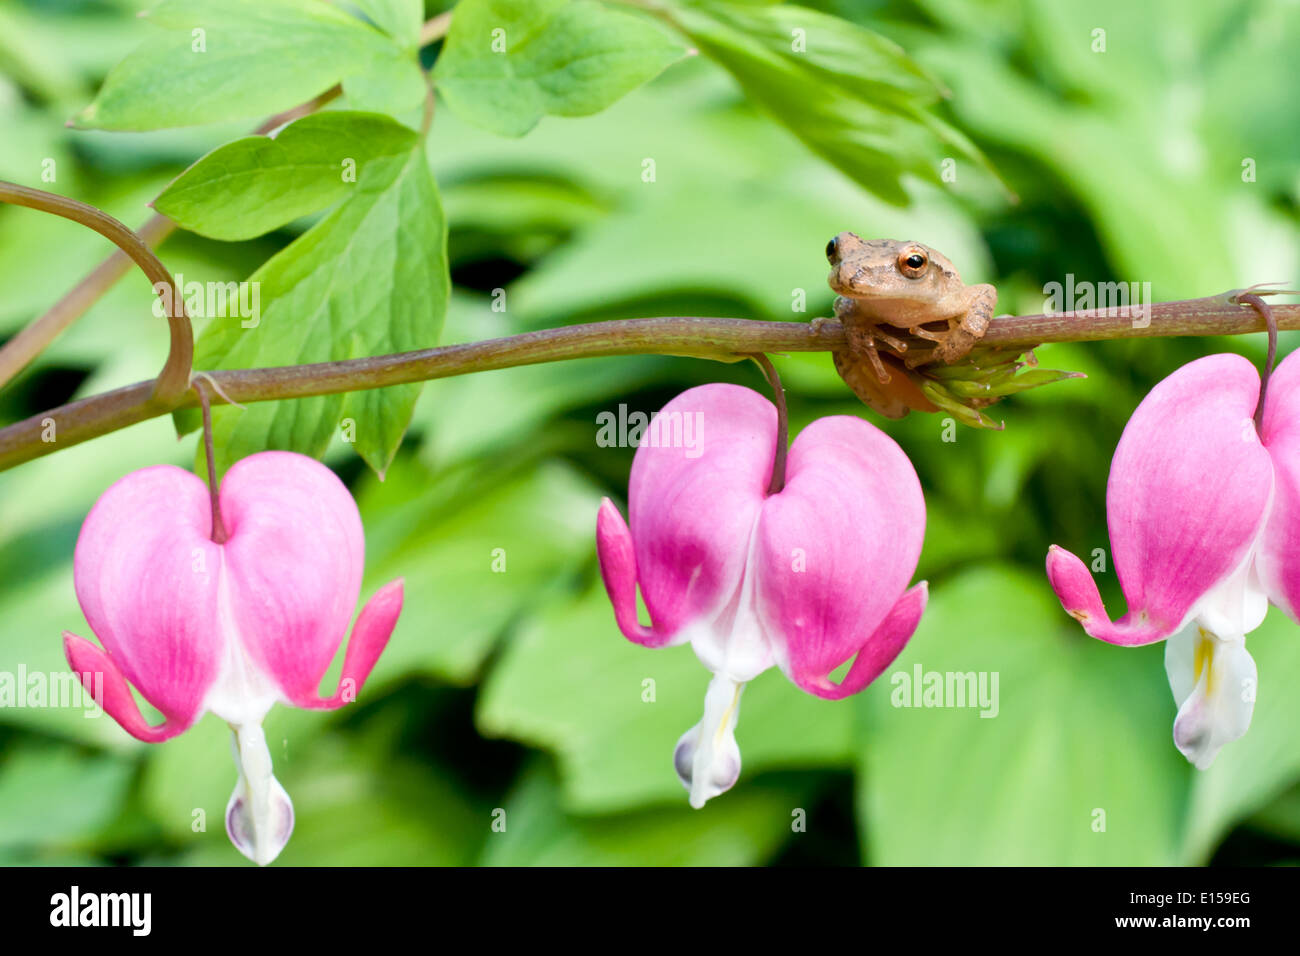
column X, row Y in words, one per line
column 506, row 64
column 370, row 278
column 233, row 59
column 256, row 184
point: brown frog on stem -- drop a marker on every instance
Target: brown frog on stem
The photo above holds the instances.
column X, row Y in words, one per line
column 910, row 288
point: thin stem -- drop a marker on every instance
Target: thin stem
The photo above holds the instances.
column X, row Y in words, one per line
column 1213, row 315
column 1263, row 308
column 19, row 351
column 726, row 340
column 284, row 118
column 174, row 379
column 436, row 28
column 219, row 535
column 22, row 349
column 782, row 423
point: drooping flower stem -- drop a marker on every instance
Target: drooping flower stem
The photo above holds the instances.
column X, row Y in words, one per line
column 1266, row 311
column 219, row 534
column 782, row 423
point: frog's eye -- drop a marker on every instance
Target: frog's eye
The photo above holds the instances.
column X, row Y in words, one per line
column 832, row 248
column 912, row 263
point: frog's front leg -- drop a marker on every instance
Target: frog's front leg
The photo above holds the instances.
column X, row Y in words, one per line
column 962, row 333
column 862, row 340
column 863, row 336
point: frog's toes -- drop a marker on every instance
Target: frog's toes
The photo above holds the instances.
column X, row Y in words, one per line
column 921, row 332
column 897, row 344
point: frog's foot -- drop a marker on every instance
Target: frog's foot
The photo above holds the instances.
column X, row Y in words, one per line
column 815, row 325
column 863, row 342
column 921, row 332
column 897, row 344
column 950, row 346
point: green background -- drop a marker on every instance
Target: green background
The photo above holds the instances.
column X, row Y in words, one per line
column 514, row 691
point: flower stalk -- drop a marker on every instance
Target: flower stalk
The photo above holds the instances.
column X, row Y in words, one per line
column 782, row 423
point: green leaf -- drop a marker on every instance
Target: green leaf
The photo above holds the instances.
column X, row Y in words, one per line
column 506, row 64
column 852, row 96
column 476, row 549
column 572, row 683
column 256, row 184
column 394, row 86
column 233, row 59
column 52, row 795
column 400, row 19
column 370, row 278
column 741, row 829
column 1081, row 738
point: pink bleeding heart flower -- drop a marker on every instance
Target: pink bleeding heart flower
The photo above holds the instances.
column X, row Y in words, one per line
column 804, row 578
column 233, row 627
column 1204, row 518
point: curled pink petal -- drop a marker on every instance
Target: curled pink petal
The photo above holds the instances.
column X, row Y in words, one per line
column 837, row 547
column 1187, row 497
column 879, row 651
column 618, row 570
column 370, row 636
column 104, row 682
column 1077, row 591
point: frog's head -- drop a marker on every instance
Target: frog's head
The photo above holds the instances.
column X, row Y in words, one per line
column 888, row 269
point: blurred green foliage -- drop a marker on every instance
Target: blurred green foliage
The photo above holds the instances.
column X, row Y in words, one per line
column 514, row 691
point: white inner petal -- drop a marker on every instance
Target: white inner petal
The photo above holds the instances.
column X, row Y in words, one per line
column 259, row 816
column 733, row 641
column 1236, row 605
column 733, row 644
column 1213, row 682
column 707, row 757
column 242, row 694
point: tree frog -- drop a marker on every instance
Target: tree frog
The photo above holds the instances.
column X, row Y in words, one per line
column 907, row 286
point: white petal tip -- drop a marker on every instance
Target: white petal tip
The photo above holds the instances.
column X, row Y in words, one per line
column 260, row 836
